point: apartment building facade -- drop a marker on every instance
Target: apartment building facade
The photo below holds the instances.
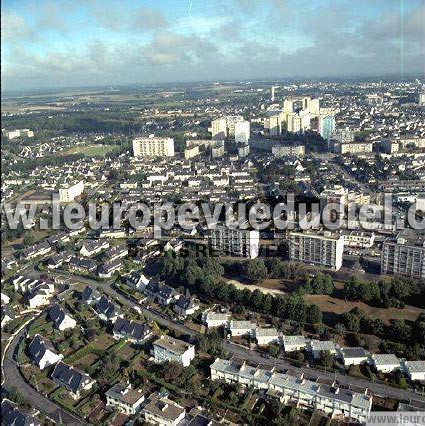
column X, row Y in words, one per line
column 317, row 249
column 238, row 242
column 403, row 256
column 153, row 147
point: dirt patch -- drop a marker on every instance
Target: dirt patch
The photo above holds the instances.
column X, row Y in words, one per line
column 252, row 287
column 338, row 306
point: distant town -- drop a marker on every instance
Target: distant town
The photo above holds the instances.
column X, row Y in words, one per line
column 225, row 325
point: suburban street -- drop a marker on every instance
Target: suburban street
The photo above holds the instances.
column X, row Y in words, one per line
column 14, row 379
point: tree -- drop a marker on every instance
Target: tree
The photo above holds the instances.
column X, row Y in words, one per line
column 314, row 314
column 256, row 301
column 351, row 320
column 274, row 351
column 29, row 238
column 340, row 328
column 326, row 359
column 213, row 267
column 172, row 370
column 274, row 267
column 255, row 270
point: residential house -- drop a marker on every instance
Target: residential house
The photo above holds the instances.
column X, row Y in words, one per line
column 241, row 328
column 89, row 295
column 7, row 315
column 152, row 289
column 318, row 347
column 106, row 310
column 36, row 250
column 353, row 356
column 185, row 306
column 166, row 295
column 135, row 332
column 92, row 247
column 294, row 343
column 74, row 380
column 115, row 253
column 415, row 370
column 124, row 398
column 40, row 295
column 167, row 348
column 266, row 336
column 108, row 269
column 174, row 245
column 5, row 299
column 12, row 415
column 61, row 320
column 163, row 411
column 85, row 266
column 215, row 319
column 385, row 363
column 137, row 280
column 58, row 260
column 42, row 352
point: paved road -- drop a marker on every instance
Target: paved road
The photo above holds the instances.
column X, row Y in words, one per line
column 13, row 378
column 346, row 381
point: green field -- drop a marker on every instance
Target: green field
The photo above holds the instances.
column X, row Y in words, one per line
column 92, row 150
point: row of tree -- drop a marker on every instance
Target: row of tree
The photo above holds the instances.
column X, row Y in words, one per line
column 381, row 293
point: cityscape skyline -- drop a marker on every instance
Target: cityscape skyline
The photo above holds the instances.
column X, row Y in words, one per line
column 148, row 42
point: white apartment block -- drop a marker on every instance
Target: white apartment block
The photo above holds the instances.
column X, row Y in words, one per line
column 403, row 256
column 355, row 148
column 12, row 134
column 191, row 152
column 317, row 249
column 288, row 150
column 68, row 193
column 305, row 394
column 238, row 242
column 225, row 126
column 169, row 349
column 153, row 147
column 242, row 131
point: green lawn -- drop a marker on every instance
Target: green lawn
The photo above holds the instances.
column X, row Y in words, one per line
column 92, row 150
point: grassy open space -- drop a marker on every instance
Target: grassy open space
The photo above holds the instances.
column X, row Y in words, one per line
column 91, row 150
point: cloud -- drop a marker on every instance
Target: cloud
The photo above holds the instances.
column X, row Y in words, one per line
column 13, row 27
column 147, row 19
column 117, row 18
column 146, row 45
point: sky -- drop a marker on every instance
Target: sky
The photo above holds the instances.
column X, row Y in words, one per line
column 55, row 43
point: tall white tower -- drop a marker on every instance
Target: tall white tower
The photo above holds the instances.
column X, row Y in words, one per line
column 272, row 97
